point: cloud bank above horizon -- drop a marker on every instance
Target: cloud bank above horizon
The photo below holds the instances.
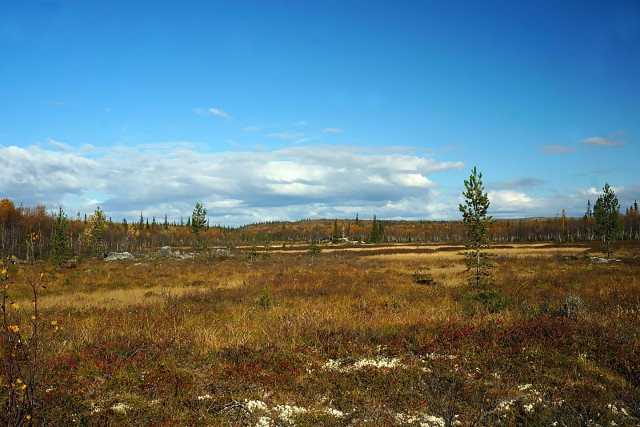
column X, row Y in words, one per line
column 242, row 187
column 236, row 187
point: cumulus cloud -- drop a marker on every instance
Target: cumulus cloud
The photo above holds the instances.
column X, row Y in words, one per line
column 412, row 180
column 512, row 203
column 591, row 191
column 557, row 149
column 238, row 187
column 37, row 176
column 595, row 192
column 612, row 140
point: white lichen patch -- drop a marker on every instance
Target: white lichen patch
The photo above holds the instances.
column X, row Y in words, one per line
column 333, row 365
column 436, row 356
column 264, row 422
column 121, row 408
column 288, row 412
column 505, row 405
column 256, row 405
column 204, row 397
column 613, row 408
column 423, row 420
column 380, row 363
column 333, row 412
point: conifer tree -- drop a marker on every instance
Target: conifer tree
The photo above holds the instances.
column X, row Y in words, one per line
column 607, row 214
column 198, row 224
column 59, row 245
column 374, row 237
column 474, row 215
column 335, row 236
column 198, row 219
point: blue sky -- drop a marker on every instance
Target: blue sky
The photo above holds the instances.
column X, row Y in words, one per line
column 268, row 110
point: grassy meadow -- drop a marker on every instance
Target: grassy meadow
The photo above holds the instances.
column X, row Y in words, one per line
column 376, row 335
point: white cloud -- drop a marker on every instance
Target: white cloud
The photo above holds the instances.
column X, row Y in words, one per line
column 592, row 191
column 332, row 130
column 412, row 180
column 377, row 180
column 612, row 140
column 58, row 145
column 224, row 204
column 238, row 187
column 35, row 176
column 219, row 113
column 513, row 203
column 216, row 112
column 297, row 189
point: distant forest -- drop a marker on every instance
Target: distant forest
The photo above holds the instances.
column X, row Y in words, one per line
column 30, row 231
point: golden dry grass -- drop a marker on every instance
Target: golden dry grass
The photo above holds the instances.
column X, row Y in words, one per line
column 157, row 335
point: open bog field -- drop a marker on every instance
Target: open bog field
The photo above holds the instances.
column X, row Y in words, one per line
column 364, row 335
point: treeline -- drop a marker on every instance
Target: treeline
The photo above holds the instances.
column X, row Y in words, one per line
column 28, row 232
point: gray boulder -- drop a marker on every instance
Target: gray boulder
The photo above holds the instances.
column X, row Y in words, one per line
column 222, row 253
column 164, row 251
column 114, row 256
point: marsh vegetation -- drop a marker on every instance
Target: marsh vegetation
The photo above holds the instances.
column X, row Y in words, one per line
column 349, row 335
